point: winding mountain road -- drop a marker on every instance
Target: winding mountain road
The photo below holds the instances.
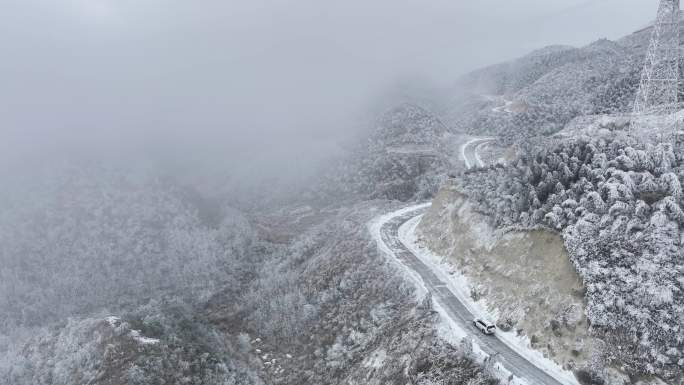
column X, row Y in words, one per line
column 386, row 231
column 469, row 152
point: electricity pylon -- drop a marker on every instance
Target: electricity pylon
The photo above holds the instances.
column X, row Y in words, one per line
column 660, row 78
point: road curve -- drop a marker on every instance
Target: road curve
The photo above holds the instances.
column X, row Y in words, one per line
column 387, row 230
column 469, row 152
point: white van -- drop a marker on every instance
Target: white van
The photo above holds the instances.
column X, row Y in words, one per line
column 484, row 326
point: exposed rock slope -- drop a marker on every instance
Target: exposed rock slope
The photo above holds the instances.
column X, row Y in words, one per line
column 525, row 278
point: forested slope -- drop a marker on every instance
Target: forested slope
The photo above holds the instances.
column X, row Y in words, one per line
column 550, row 87
column 405, row 157
column 618, row 205
column 133, row 275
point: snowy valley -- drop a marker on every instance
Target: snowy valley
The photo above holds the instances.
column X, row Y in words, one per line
column 518, row 194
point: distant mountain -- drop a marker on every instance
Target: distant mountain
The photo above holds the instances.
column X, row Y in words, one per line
column 511, row 77
column 551, row 86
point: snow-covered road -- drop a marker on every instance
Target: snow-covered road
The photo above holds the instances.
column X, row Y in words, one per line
column 386, row 230
column 469, row 152
column 504, row 108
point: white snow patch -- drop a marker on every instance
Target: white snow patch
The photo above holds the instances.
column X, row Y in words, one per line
column 375, row 227
column 479, row 161
column 377, row 360
column 463, row 155
column 505, row 107
column 654, row 381
column 465, row 145
column 115, row 322
column 135, row 334
column 447, row 328
column 504, row 104
column 453, row 333
column 460, row 286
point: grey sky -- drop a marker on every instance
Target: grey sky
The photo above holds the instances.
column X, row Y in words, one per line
column 254, row 74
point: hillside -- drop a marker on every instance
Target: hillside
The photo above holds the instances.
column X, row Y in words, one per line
column 614, row 199
column 555, row 85
column 140, row 277
column 525, row 278
column 405, row 157
column 140, row 274
column 618, row 206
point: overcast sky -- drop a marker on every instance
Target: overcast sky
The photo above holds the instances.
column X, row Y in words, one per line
column 255, row 73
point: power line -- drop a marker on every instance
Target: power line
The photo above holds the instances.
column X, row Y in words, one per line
column 660, row 77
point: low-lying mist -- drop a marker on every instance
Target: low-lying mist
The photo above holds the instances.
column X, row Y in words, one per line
column 269, row 88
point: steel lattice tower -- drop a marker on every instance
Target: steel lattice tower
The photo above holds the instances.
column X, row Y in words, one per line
column 660, row 77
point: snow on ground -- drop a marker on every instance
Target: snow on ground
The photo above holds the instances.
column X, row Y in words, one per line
column 375, row 227
column 504, row 108
column 377, row 359
column 477, row 157
column 653, row 381
column 463, row 155
column 447, row 328
column 451, row 332
column 484, row 233
column 503, row 103
column 649, row 127
column 115, row 322
column 142, row 339
column 460, row 286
